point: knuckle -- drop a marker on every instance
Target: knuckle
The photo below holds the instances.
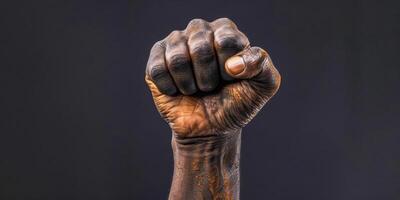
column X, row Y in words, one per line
column 203, row 52
column 200, row 35
column 178, row 62
column 174, row 36
column 258, row 51
column 225, row 20
column 157, row 72
column 197, row 25
column 159, row 44
column 255, row 56
column 196, row 22
column 230, row 42
column 174, row 33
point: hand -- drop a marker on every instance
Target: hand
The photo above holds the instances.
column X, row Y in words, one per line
column 206, row 80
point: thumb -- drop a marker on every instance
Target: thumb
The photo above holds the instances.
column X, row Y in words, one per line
column 255, row 64
column 258, row 82
column 246, row 64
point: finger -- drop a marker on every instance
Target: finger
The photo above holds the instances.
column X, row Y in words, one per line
column 255, row 64
column 157, row 70
column 201, row 49
column 228, row 41
column 179, row 63
column 246, row 64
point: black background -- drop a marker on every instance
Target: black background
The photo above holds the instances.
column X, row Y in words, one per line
column 79, row 123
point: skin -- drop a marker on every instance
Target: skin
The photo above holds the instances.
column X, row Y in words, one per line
column 207, row 82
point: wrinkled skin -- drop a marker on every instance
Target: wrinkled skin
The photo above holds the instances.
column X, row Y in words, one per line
column 193, row 90
column 208, row 82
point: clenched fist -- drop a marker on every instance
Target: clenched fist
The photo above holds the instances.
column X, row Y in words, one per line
column 207, row 79
column 208, row 82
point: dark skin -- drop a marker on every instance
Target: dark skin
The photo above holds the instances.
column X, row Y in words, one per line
column 208, row 83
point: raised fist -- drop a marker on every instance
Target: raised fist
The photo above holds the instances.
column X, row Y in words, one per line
column 207, row 79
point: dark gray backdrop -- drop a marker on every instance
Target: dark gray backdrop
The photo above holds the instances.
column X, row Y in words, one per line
column 78, row 121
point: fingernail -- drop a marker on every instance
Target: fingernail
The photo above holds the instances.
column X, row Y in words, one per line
column 235, row 65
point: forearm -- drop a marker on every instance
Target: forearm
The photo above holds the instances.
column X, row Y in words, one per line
column 206, row 167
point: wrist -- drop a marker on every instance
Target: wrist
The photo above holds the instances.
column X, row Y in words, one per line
column 206, row 166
